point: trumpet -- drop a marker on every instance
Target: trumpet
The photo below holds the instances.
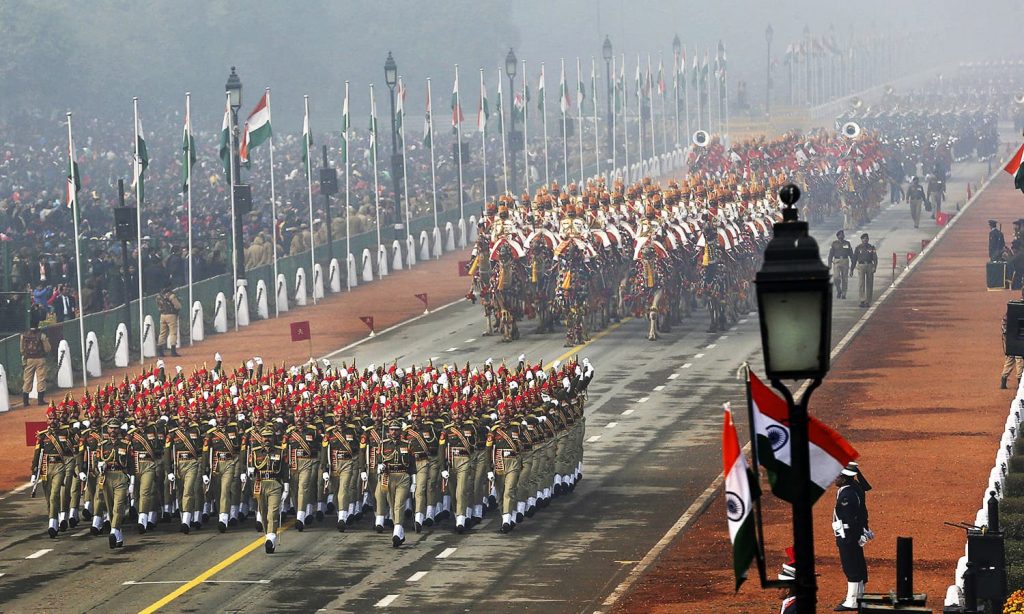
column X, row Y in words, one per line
column 851, row 130
column 701, row 138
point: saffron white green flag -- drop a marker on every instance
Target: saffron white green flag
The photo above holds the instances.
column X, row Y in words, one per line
column 257, row 128
column 225, row 140
column 400, row 112
column 563, row 94
column 540, row 91
column 345, row 125
column 482, row 112
column 738, row 501
column 140, row 163
column 188, row 153
column 307, row 141
column 373, row 126
column 428, row 125
column 457, row 117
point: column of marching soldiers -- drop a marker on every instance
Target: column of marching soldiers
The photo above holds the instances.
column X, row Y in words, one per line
column 427, row 443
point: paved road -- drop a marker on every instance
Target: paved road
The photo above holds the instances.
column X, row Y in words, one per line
column 653, row 423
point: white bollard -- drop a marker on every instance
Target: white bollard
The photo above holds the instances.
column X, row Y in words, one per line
column 367, row 266
column 352, row 276
column 437, row 247
column 262, row 308
column 5, row 401
column 334, row 276
column 300, row 287
column 65, row 379
column 318, row 281
column 449, row 234
column 121, row 346
column 382, row 262
column 149, row 333
column 220, row 314
column 424, row 246
column 472, row 229
column 462, row 234
column 410, row 250
column 396, row 256
column 241, row 306
column 281, row 293
column 92, row 355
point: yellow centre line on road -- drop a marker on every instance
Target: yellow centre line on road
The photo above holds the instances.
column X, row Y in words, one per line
column 234, row 558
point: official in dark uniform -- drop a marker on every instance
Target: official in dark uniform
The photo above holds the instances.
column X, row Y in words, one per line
column 866, row 260
column 839, row 256
column 849, row 524
column 996, row 243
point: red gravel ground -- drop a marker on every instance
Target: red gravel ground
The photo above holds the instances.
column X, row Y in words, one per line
column 334, row 323
column 916, row 393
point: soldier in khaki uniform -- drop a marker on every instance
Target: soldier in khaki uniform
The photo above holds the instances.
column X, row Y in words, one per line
column 222, row 450
column 267, row 460
column 304, row 445
column 143, row 441
column 169, row 305
column 839, row 255
column 396, row 465
column 506, row 466
column 183, row 458
column 117, row 471
column 866, row 260
column 916, row 197
column 341, row 444
column 458, row 442
column 35, row 347
column 52, row 464
column 423, row 448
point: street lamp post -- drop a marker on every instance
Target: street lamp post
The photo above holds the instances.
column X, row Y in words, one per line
column 240, row 204
column 606, row 53
column 391, row 78
column 769, row 34
column 511, row 65
column 794, row 302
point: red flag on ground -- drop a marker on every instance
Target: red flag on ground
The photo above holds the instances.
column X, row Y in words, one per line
column 368, row 321
column 32, row 431
column 300, row 331
column 464, row 268
column 969, row 191
column 941, row 219
column 423, row 297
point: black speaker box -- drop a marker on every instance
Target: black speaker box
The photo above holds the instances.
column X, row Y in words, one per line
column 243, row 198
column 126, row 226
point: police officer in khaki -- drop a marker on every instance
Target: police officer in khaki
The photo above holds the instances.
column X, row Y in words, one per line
column 222, row 449
column 115, row 464
column 267, row 466
column 394, row 471
column 143, row 441
column 866, row 260
column 839, row 255
column 52, row 463
column 34, row 349
column 916, row 197
column 169, row 305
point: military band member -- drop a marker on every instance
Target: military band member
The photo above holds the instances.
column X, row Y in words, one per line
column 116, row 467
column 52, row 463
column 268, row 468
column 839, row 255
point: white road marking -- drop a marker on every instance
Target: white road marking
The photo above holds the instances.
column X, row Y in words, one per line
column 21, row 488
column 39, row 553
column 447, row 552
column 642, row 399
column 627, row 412
column 659, row 388
column 451, row 349
column 416, row 577
column 687, row 365
column 593, row 439
column 611, row 425
column 723, row 338
column 673, row 376
column 743, row 321
column 470, row 340
column 385, row 602
column 711, row 346
column 701, row 355
column 432, row 358
column 396, row 326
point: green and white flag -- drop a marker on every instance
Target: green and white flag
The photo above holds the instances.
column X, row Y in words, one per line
column 400, row 113
column 540, row 91
column 188, row 152
column 307, row 141
column 581, row 94
column 499, row 110
column 140, row 163
column 738, row 501
column 482, row 111
column 428, row 125
column 345, row 126
column 563, row 94
column 620, row 89
column 74, row 179
column 257, row 128
column 519, row 108
column 457, row 117
column 373, row 126
column 225, row 140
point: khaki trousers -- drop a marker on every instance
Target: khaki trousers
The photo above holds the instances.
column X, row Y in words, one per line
column 841, row 275
column 345, row 478
column 1015, row 364
column 269, row 501
column 168, row 330
column 460, row 477
column 506, row 483
column 866, row 276
column 56, row 473
column 146, row 482
column 34, row 371
column 397, row 493
column 229, row 487
column 115, row 493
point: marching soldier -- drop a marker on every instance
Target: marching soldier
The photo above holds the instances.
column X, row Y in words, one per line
column 341, row 443
column 35, row 347
column 458, row 440
column 394, row 470
column 839, row 255
column 52, row 463
column 916, row 197
column 304, row 444
column 184, row 462
column 267, row 466
column 866, row 260
column 222, row 449
column 88, row 445
column 116, row 467
column 423, row 446
column 143, row 443
column 505, row 464
column 369, row 445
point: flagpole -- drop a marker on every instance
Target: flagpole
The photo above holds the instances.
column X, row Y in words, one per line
column 501, row 128
column 614, row 113
column 348, row 247
column 593, row 93
column 664, row 112
column 72, row 190
column 273, row 212
column 188, row 200
column 309, row 191
column 373, row 153
column 686, row 100
column 640, row 114
column 756, row 471
column 579, row 116
column 675, row 90
column 699, row 74
column 231, row 190
column 650, row 107
column 482, row 125
column 526, row 142
column 544, row 120
column 725, row 102
column 456, row 112
column 625, row 118
column 405, row 175
column 433, row 172
column 138, row 220
column 563, row 106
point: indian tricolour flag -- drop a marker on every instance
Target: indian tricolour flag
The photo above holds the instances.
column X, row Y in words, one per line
column 540, row 91
column 829, row 452
column 74, row 179
column 457, row 117
column 140, row 162
column 428, row 125
column 307, row 140
column 1014, row 168
column 738, row 501
column 482, row 111
column 225, row 139
column 564, row 104
column 257, row 128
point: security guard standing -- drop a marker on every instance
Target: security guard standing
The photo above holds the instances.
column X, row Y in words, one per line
column 849, row 523
column 866, row 260
column 52, row 464
column 115, row 464
column 169, row 305
column 505, row 465
column 267, row 466
column 996, row 243
column 839, row 255
column 222, row 450
column 34, row 349
column 393, row 475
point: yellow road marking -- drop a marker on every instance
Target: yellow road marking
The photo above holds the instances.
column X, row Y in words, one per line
column 234, row 558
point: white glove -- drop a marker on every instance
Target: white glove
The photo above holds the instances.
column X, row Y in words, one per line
column 131, row 483
column 217, row 357
column 863, row 540
column 380, row 468
column 363, row 476
column 170, row 477
column 869, row 534
column 490, row 475
column 522, row 358
column 327, row 477
column 284, row 493
column 250, row 470
column 101, row 466
column 242, row 478
column 32, row 480
column 444, row 474
column 82, row 476
column 206, row 480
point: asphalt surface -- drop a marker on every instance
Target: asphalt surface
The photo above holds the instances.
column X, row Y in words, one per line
column 653, row 428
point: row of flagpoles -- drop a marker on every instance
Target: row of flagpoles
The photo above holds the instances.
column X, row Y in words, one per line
column 257, row 129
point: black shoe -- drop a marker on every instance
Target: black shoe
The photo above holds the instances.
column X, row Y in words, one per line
column 269, row 547
column 176, row 515
column 505, row 528
column 379, row 528
column 41, row 400
column 94, row 531
column 86, row 515
column 63, row 526
column 396, row 541
column 1002, row 383
column 843, row 608
column 185, row 528
column 259, row 526
column 408, row 514
column 341, row 526
column 232, row 521
column 142, row 529
column 206, row 517
column 519, row 517
column 389, row 524
column 428, row 522
column 73, row 522
column 492, row 501
column 417, row 526
column 24, row 399
column 356, row 517
column 351, row 519
column 160, row 352
column 330, row 508
column 197, row 525
column 443, row 515
column 300, row 526
column 222, row 527
column 106, row 526
column 319, row 516
column 112, row 541
column 52, row 532
column 120, row 544
column 150, row 526
column 174, row 352
column 530, row 511
column 460, row 529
